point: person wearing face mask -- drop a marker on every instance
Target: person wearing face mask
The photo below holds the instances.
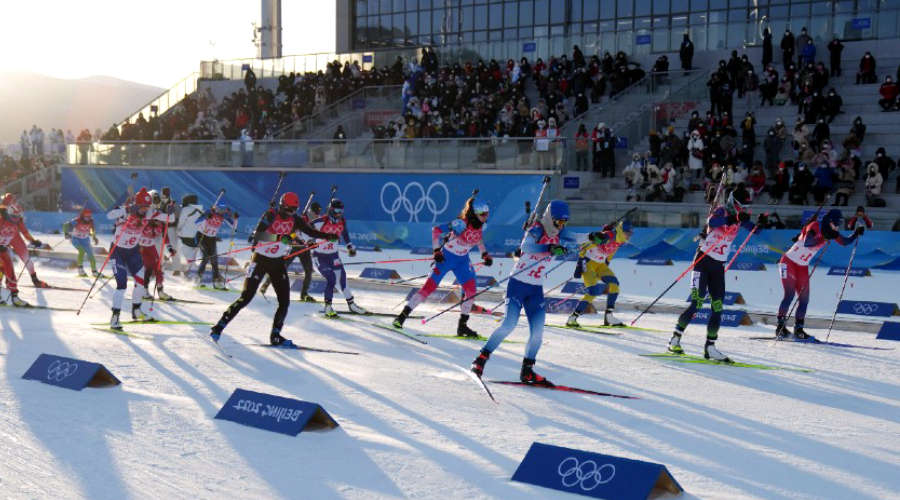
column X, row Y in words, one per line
column 801, row 185
column 696, row 152
column 821, row 132
column 782, row 184
column 808, row 53
column 686, row 53
column 885, row 163
column 767, row 48
column 772, row 147
column 866, row 73
column 835, row 48
column 541, row 145
column 802, row 41
column 833, row 103
column 787, row 48
column 874, row 182
column 889, row 91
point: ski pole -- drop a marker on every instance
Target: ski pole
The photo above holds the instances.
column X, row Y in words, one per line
column 843, row 287
column 229, row 280
column 101, row 287
column 230, row 246
column 223, row 254
column 532, row 217
column 308, row 203
column 202, row 235
column 387, row 261
column 306, row 249
column 111, row 250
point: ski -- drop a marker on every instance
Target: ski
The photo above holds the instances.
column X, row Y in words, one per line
column 54, row 287
column 624, row 327
column 457, row 337
column 305, row 348
column 400, row 331
column 687, row 358
column 583, row 329
column 815, row 341
column 120, row 332
column 374, row 314
column 157, row 322
column 480, row 383
column 31, row 306
column 563, row 388
column 182, row 301
column 88, row 276
column 221, row 350
column 213, row 289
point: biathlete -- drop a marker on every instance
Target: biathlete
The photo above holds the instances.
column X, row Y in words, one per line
column 546, row 238
column 272, row 241
column 596, row 271
column 152, row 238
column 210, row 222
column 463, row 233
column 305, row 257
column 18, row 244
column 126, row 256
column 81, row 232
column 328, row 261
column 10, row 218
column 794, row 267
column 708, row 275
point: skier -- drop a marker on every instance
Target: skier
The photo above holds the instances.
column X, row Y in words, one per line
column 274, row 232
column 453, row 255
column 708, row 275
column 315, row 209
column 18, row 244
column 186, row 228
column 210, row 222
column 10, row 225
column 597, row 270
column 166, row 201
column 546, row 238
column 126, row 256
column 81, row 231
column 153, row 236
column 794, row 267
column 328, row 261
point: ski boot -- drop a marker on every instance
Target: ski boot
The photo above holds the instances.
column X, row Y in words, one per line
column 38, row 283
column 609, row 319
column 276, row 339
column 573, row 320
column 528, row 376
column 215, row 333
column 463, row 330
column 114, row 323
column 478, row 365
column 95, row 273
column 710, row 352
column 219, row 283
column 176, row 273
column 675, row 344
column 781, row 329
column 398, row 321
column 329, row 312
column 305, row 297
column 16, row 301
column 139, row 315
column 355, row 309
column 799, row 332
column 163, row 295
column 82, row 273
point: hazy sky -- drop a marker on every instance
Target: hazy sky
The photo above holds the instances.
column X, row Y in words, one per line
column 155, row 42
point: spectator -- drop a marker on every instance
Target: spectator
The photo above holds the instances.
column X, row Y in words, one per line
column 835, row 47
column 867, row 68
column 633, row 178
column 808, row 53
column 801, row 185
column 873, row 186
column 653, row 183
column 25, row 144
column 772, row 147
column 686, row 53
column 542, row 145
column 582, row 144
column 767, row 48
column 885, row 163
column 801, row 131
column 774, row 222
column 605, row 151
column 833, row 103
column 896, row 227
column 845, row 186
column 340, row 143
column 860, row 219
column 824, row 182
column 696, row 151
column 802, row 41
column 787, row 48
column 712, row 181
column 748, row 130
column 757, row 180
column 889, row 92
column 821, row 132
column 784, row 93
column 782, row 185
column 668, row 182
column 682, row 183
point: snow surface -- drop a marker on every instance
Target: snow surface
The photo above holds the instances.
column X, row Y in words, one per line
column 414, row 426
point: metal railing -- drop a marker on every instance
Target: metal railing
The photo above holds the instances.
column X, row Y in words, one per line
column 366, row 99
column 167, row 100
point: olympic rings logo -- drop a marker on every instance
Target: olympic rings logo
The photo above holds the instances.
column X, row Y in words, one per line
column 282, row 227
column 423, row 201
column 557, row 306
column 61, row 370
column 865, row 308
column 587, row 475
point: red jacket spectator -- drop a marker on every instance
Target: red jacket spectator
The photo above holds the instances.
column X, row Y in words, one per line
column 889, row 90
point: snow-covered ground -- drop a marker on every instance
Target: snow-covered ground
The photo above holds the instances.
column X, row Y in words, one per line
column 414, row 426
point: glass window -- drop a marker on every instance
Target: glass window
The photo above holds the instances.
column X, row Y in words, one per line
column 385, row 6
column 361, row 7
column 844, row 7
column 798, row 10
column 660, row 22
column 642, row 24
column 425, row 4
column 660, row 40
column 510, row 34
column 887, row 24
column 437, row 18
column 660, row 6
column 558, row 30
column 526, row 32
column 642, row 8
column 558, row 14
column 821, row 8
column 718, row 4
column 373, row 7
column 741, row 3
column 780, row 12
column 386, row 23
column 495, row 35
column 735, row 34
column 716, row 17
column 699, row 5
column 737, row 15
column 481, row 17
column 412, row 4
column 591, row 10
column 480, row 36
column 716, row 34
column 526, row 13
column 399, row 5
column 679, row 21
column 412, row 23
column 698, row 19
column 607, row 9
column 510, row 15
column 425, row 21
column 495, row 20
column 577, row 13
column 626, row 8
column 541, row 12
column 540, row 31
column 679, row 5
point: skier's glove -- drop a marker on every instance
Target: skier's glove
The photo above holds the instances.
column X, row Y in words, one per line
column 172, row 251
column 351, row 250
column 333, row 237
column 96, row 241
column 438, row 256
column 170, row 209
column 743, row 217
column 731, row 219
column 597, row 238
column 69, row 236
column 36, row 243
column 252, row 239
column 557, row 249
column 487, row 259
column 762, row 220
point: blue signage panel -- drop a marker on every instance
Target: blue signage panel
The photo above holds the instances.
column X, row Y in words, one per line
column 865, row 308
column 747, row 266
column 593, row 474
column 438, row 295
column 654, row 261
column 529, row 47
column 358, row 104
column 273, row 413
column 377, row 273
column 481, row 281
column 315, row 286
column 422, row 251
column 861, row 23
column 642, row 40
column 564, row 306
column 579, row 288
column 855, row 272
column 367, row 58
column 730, row 299
column 621, row 143
column 70, row 373
column 889, row 331
column 573, row 182
column 730, row 319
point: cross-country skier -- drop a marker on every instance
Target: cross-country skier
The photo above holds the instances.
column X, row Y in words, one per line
column 708, row 275
column 152, row 238
column 272, row 239
column 794, row 267
column 596, row 270
column 18, row 244
column 210, row 222
column 546, row 238
column 187, row 228
column 166, row 201
column 126, row 255
column 463, row 233
column 81, row 231
column 328, row 260
column 10, row 219
column 315, row 210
